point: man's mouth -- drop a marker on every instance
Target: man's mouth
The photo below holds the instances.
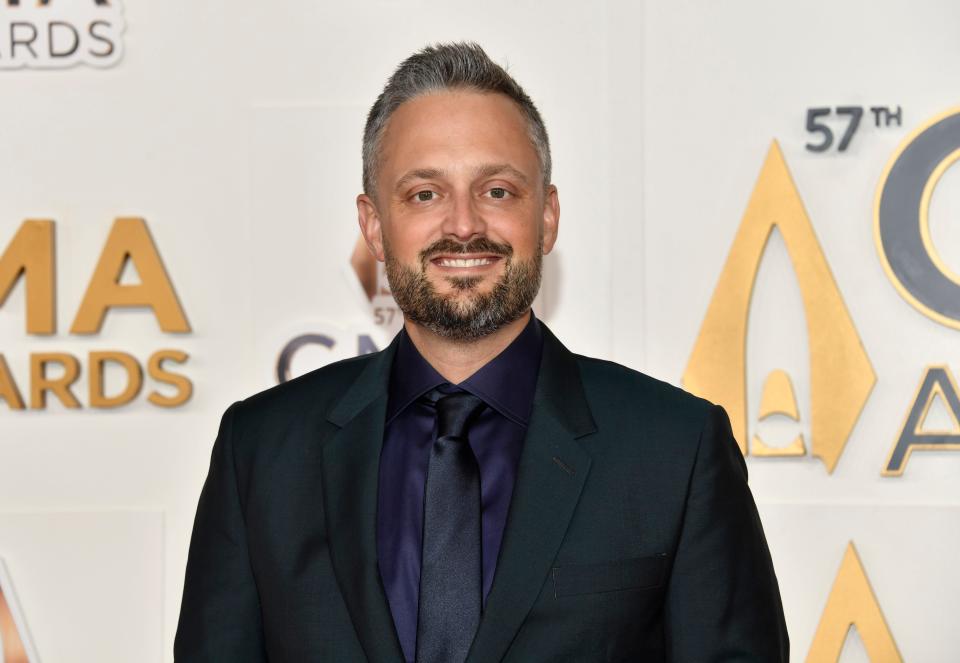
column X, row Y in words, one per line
column 460, row 262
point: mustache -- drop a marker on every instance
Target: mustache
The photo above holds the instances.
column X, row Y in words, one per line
column 476, row 245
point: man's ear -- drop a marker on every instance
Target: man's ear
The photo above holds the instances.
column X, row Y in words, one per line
column 551, row 218
column 370, row 226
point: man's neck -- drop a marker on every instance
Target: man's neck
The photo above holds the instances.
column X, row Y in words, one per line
column 458, row 360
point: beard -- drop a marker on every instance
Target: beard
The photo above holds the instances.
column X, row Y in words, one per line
column 465, row 314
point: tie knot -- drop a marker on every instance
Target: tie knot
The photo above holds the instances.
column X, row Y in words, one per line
column 455, row 412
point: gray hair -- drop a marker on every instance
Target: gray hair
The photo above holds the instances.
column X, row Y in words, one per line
column 455, row 66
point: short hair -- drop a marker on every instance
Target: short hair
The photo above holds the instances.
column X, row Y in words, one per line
column 454, row 66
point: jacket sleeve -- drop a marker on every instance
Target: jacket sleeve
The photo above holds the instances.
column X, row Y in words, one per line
column 220, row 612
column 723, row 602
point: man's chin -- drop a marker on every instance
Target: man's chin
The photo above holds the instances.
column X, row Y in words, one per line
column 463, row 288
column 464, row 304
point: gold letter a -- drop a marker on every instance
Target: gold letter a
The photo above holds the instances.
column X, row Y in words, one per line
column 852, row 603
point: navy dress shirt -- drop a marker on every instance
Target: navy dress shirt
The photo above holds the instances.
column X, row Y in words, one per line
column 506, row 384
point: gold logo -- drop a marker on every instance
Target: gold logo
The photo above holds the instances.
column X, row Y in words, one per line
column 852, row 603
column 840, row 371
column 14, row 643
column 31, row 257
column 372, row 276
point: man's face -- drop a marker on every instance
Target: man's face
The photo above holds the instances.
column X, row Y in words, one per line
column 460, row 215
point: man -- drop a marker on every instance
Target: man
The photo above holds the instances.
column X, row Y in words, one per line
column 475, row 491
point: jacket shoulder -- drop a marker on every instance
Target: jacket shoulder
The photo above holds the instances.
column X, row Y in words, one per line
column 318, row 389
column 617, row 390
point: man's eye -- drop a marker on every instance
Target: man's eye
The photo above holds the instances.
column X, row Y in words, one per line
column 425, row 196
column 499, row 192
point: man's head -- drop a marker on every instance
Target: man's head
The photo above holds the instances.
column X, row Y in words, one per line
column 457, row 196
column 446, row 67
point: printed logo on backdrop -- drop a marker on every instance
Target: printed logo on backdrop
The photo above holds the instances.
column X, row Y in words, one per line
column 114, row 378
column 902, row 219
column 372, row 276
column 15, row 644
column 367, row 278
column 852, row 604
column 841, row 374
column 920, row 275
column 57, row 34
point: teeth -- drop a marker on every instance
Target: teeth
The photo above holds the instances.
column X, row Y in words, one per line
column 473, row 262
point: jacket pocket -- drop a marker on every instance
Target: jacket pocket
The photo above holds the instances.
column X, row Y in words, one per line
column 636, row 573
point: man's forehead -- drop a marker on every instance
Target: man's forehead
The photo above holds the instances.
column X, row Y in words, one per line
column 456, row 132
column 436, row 116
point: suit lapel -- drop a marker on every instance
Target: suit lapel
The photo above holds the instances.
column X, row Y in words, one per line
column 553, row 469
column 351, row 461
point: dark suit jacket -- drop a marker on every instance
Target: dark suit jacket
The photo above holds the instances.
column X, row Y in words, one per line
column 631, row 536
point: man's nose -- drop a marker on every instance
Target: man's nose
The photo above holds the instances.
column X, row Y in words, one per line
column 464, row 222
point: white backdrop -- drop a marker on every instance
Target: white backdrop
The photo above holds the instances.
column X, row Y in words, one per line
column 234, row 129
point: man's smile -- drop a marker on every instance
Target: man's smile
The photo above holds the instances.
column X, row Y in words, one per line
column 468, row 262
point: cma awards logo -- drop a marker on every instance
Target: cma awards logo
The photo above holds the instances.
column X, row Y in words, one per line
column 919, row 273
column 15, row 644
column 841, row 376
column 55, row 34
column 840, row 372
column 31, row 256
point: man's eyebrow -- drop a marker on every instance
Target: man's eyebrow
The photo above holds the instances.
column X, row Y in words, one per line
column 418, row 174
column 501, row 169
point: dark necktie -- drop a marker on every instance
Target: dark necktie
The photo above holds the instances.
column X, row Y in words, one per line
column 451, row 577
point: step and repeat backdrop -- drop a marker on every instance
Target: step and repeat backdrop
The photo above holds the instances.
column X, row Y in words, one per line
column 761, row 203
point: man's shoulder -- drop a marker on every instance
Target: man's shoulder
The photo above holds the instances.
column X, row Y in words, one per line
column 608, row 381
column 319, row 389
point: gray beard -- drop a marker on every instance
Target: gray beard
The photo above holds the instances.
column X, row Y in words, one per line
column 481, row 313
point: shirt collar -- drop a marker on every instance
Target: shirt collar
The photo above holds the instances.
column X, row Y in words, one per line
column 505, row 383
